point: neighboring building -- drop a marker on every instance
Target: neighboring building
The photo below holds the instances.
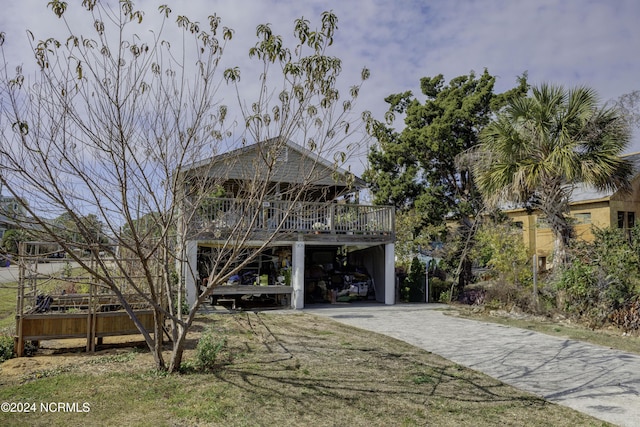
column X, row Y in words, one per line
column 309, row 233
column 588, row 208
column 9, row 210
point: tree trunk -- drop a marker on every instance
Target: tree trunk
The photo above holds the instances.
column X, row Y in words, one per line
column 563, row 233
column 158, row 330
column 554, row 204
column 178, row 348
column 463, row 273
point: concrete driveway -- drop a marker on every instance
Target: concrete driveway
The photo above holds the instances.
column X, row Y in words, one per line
column 595, row 380
column 10, row 274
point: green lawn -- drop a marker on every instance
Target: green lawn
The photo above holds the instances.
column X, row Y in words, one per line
column 7, row 306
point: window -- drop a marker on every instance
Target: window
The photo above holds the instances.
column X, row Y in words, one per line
column 542, row 222
column 542, row 263
column 583, row 218
column 626, row 219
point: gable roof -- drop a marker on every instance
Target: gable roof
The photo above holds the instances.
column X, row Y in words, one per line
column 295, row 164
column 584, row 192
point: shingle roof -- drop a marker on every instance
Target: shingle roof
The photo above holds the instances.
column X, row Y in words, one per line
column 584, row 192
column 357, row 182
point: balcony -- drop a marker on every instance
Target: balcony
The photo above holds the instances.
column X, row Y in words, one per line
column 222, row 218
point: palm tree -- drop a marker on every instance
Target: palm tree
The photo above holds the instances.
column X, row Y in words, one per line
column 541, row 146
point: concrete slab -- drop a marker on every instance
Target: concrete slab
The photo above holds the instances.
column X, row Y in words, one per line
column 596, row 380
column 11, row 273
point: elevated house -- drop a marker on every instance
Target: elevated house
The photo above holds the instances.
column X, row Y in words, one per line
column 589, row 208
column 306, row 213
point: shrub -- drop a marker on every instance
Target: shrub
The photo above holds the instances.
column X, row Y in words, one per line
column 627, row 318
column 413, row 289
column 502, row 295
column 500, row 247
column 184, row 306
column 437, row 287
column 602, row 277
column 208, row 349
column 445, row 297
column 6, row 347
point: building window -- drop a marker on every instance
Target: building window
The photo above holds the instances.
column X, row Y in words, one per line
column 583, row 218
column 626, row 219
column 519, row 224
column 542, row 222
column 542, row 263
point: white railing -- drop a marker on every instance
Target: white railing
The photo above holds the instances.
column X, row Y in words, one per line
column 299, row 217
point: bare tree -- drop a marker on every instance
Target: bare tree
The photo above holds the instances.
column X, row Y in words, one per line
column 629, row 106
column 126, row 126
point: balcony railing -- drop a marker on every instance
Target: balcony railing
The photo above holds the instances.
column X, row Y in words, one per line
column 220, row 215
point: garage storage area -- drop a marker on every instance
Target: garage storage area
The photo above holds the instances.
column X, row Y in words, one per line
column 331, row 276
column 265, row 282
column 332, row 273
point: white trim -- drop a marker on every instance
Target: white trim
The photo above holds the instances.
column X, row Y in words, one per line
column 190, row 270
column 297, row 275
column 389, row 274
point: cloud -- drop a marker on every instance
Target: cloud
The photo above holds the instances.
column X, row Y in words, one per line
column 583, row 42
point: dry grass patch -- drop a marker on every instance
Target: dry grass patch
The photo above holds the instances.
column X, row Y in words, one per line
column 608, row 337
column 279, row 370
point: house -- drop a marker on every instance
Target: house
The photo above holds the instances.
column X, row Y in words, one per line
column 9, row 210
column 588, row 208
column 307, row 210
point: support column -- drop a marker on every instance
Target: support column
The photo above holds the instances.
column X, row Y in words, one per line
column 297, row 276
column 389, row 274
column 190, row 270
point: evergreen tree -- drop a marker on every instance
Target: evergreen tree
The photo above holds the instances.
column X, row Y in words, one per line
column 417, row 167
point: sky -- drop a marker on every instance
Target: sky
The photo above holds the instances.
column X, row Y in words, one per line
column 595, row 43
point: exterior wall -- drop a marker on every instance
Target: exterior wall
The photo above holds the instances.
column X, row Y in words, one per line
column 538, row 237
column 627, row 203
column 601, row 213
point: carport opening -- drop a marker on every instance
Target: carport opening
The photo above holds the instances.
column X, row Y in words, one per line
column 262, row 284
column 335, row 274
column 332, row 274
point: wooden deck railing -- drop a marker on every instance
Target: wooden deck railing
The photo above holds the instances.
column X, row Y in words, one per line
column 297, row 217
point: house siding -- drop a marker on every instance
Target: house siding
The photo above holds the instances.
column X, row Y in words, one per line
column 291, row 167
column 603, row 214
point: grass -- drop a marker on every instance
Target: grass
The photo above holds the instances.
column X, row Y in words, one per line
column 608, row 337
column 7, row 306
column 276, row 370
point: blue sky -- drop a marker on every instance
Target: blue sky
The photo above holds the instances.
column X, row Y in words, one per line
column 572, row 42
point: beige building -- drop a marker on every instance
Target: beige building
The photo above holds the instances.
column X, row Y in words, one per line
column 589, row 208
